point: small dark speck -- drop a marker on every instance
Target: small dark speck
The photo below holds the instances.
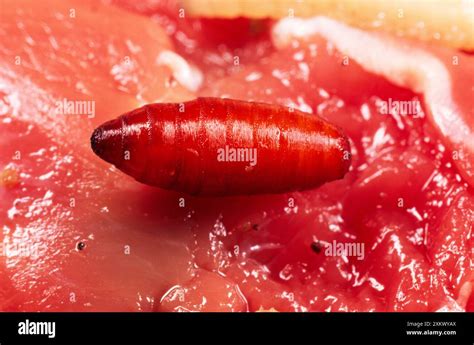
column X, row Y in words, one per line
column 255, row 227
column 80, row 246
column 316, row 247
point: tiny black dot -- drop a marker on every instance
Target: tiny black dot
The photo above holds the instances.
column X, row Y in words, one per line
column 316, row 247
column 255, row 227
column 80, row 245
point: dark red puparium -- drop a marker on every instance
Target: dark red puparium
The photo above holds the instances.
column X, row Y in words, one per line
column 181, row 146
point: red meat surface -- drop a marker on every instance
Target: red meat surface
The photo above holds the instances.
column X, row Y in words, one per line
column 93, row 239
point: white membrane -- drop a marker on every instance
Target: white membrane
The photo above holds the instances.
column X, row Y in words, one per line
column 188, row 76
